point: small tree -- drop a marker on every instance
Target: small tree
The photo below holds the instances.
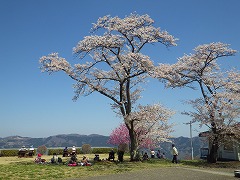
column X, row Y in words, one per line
column 42, row 149
column 117, row 66
column 86, row 148
column 120, row 135
column 219, row 106
column 151, row 127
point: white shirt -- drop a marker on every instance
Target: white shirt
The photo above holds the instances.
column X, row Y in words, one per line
column 175, row 152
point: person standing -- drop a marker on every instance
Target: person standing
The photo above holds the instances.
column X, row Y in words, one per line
column 175, row 154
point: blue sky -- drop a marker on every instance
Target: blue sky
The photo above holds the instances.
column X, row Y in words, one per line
column 34, row 104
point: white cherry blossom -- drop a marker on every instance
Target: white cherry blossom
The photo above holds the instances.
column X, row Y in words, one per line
column 219, row 106
column 117, row 66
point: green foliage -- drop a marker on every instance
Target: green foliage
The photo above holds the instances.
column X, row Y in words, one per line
column 9, row 152
column 42, row 149
column 56, row 150
column 86, row 148
column 103, row 150
column 79, row 151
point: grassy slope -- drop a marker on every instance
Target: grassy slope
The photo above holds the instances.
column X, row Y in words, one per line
column 25, row 168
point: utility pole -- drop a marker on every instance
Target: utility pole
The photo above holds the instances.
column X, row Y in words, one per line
column 190, row 123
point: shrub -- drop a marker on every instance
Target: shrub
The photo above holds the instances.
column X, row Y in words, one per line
column 86, row 148
column 9, row 152
column 56, row 150
column 79, row 151
column 42, row 149
column 103, row 150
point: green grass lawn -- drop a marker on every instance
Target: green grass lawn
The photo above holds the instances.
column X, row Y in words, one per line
column 25, row 168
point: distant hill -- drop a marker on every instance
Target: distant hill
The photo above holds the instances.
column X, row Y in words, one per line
column 96, row 140
column 183, row 144
column 62, row 140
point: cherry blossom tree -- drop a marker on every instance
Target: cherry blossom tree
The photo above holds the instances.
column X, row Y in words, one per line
column 219, row 106
column 150, row 125
column 120, row 135
column 117, row 66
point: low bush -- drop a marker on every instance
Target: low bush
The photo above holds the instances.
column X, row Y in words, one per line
column 9, row 152
column 42, row 149
column 57, row 151
column 86, row 148
column 103, row 150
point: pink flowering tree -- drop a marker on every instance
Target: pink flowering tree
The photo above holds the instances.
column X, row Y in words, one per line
column 116, row 66
column 219, row 106
column 150, row 125
column 120, row 135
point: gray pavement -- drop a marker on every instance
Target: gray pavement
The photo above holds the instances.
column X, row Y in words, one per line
column 173, row 173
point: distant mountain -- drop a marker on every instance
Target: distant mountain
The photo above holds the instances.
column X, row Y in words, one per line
column 95, row 140
column 62, row 140
column 183, row 144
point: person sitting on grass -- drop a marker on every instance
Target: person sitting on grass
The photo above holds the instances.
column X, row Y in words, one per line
column 163, row 156
column 65, row 152
column 159, row 154
column 22, row 151
column 31, row 151
column 111, row 155
column 85, row 162
column 145, row 157
column 73, row 151
column 96, row 158
column 73, row 161
column 39, row 159
column 54, row 159
column 152, row 153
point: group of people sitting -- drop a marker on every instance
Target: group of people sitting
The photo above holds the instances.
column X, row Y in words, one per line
column 73, row 161
column 73, row 158
column 24, row 152
column 66, row 152
column 83, row 162
column 152, row 152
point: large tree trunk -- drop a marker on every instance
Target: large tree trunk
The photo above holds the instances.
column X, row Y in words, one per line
column 212, row 158
column 133, row 145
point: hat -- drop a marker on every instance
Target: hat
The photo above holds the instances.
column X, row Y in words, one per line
column 39, row 155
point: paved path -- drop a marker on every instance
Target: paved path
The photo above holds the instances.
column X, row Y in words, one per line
column 173, row 173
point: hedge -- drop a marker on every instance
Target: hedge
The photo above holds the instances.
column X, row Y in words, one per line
column 103, row 150
column 59, row 151
column 9, row 152
column 79, row 151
